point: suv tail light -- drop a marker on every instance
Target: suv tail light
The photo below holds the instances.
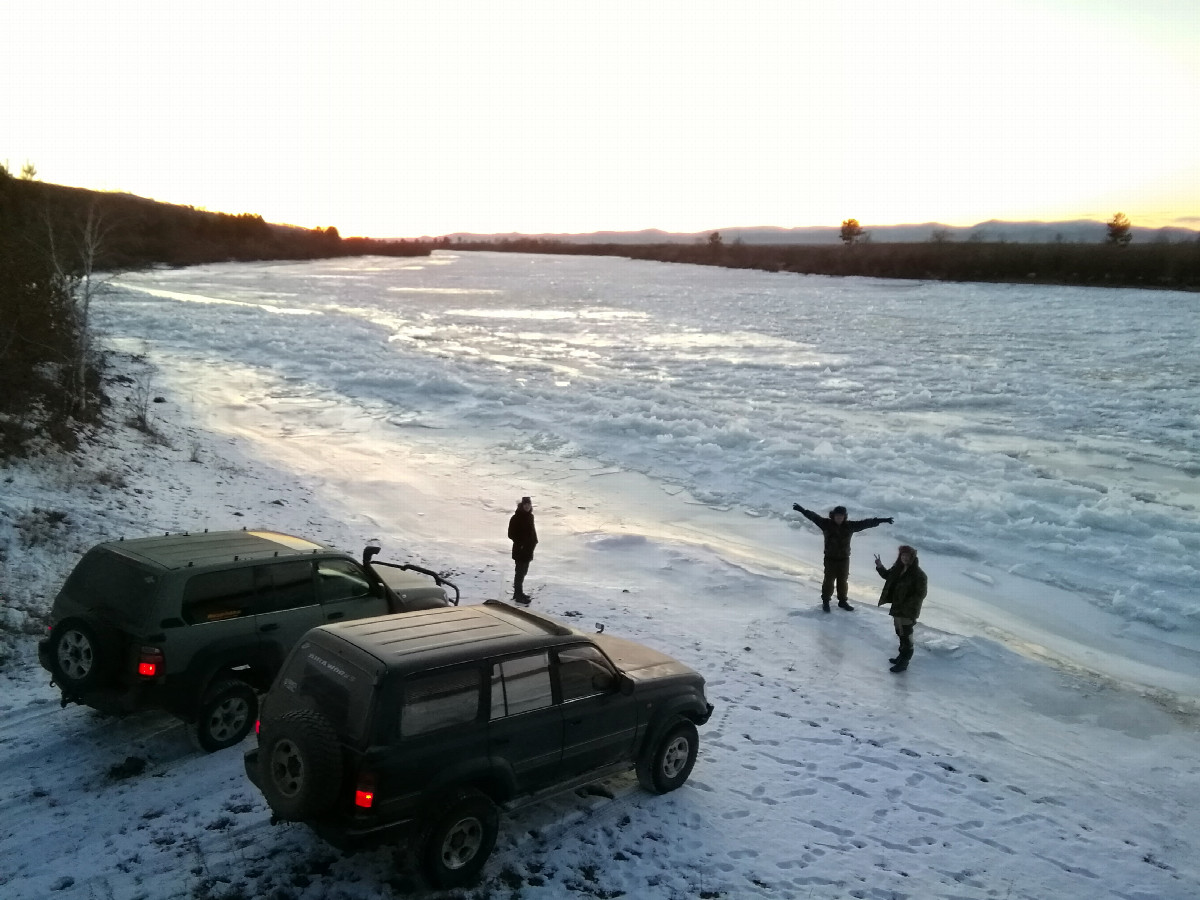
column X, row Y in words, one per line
column 150, row 662
column 364, row 793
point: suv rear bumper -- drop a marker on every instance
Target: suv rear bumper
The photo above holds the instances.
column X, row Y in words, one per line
column 347, row 835
column 114, row 700
column 250, row 764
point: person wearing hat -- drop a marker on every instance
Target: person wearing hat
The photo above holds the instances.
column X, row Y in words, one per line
column 523, row 535
column 837, row 530
column 904, row 588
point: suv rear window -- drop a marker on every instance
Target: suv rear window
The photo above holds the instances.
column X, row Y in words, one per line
column 334, row 684
column 111, row 582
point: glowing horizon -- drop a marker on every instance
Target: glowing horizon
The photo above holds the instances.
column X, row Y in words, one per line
column 539, row 117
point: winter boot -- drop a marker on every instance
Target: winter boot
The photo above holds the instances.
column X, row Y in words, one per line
column 900, row 666
column 825, row 605
column 842, row 604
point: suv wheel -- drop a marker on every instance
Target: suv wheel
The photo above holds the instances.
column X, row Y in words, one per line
column 300, row 763
column 78, row 657
column 461, row 839
column 226, row 715
column 668, row 763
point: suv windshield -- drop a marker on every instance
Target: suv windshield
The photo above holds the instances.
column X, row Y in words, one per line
column 120, row 587
column 334, row 685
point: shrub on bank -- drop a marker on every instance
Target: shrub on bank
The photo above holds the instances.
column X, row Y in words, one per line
column 1157, row 265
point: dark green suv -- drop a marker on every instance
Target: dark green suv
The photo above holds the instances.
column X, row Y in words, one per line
column 425, row 725
column 198, row 624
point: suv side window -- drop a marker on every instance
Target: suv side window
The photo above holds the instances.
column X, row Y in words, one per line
column 432, row 702
column 520, row 685
column 584, row 672
column 286, row 585
column 341, row 579
column 216, row 596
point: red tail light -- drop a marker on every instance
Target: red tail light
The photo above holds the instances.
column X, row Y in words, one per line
column 257, row 725
column 364, row 795
column 150, row 662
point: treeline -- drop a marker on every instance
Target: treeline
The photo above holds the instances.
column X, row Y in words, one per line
column 1154, row 265
column 56, row 245
column 138, row 232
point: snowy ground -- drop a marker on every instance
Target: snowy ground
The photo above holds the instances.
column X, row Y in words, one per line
column 1042, row 745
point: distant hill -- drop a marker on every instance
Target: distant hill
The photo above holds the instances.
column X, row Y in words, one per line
column 994, row 231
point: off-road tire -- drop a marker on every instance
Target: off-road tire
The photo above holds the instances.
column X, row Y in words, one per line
column 460, row 838
column 226, row 715
column 300, row 764
column 80, row 655
column 668, row 762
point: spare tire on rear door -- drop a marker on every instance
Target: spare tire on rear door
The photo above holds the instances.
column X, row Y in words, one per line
column 300, row 763
column 82, row 654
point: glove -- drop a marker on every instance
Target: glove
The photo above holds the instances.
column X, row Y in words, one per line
column 890, row 520
column 797, row 507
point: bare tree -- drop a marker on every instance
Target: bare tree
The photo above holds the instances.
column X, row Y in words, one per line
column 76, row 277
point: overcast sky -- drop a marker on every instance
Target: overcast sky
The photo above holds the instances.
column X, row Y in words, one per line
column 405, row 119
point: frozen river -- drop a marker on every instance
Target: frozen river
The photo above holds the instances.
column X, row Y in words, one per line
column 1039, row 445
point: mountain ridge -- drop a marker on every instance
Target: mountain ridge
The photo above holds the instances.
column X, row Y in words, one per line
column 1076, row 231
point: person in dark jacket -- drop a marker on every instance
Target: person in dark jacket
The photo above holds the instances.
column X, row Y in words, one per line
column 838, row 531
column 523, row 535
column 904, row 588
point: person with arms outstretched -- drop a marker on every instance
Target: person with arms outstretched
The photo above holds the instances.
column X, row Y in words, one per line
column 837, row 530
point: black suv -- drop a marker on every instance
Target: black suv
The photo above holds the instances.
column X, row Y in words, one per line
column 196, row 624
column 427, row 723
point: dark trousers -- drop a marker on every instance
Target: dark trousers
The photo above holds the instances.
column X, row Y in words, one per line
column 836, row 572
column 904, row 631
column 519, row 577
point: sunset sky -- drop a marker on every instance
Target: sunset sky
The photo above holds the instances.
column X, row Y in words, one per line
column 404, row 119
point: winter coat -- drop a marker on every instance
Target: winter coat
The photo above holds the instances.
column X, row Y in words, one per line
column 523, row 535
column 837, row 537
column 904, row 588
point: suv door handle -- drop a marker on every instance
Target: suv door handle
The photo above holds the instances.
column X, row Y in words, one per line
column 270, row 626
column 334, row 615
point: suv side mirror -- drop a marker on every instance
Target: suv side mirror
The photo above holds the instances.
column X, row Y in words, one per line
column 603, row 682
column 625, row 684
